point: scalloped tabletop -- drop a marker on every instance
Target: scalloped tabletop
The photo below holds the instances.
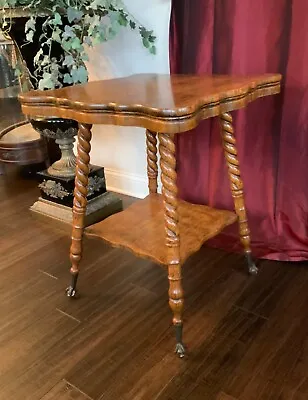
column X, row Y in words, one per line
column 165, row 103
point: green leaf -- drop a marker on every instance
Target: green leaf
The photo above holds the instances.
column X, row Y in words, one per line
column 69, row 60
column 145, row 42
column 73, row 14
column 30, row 25
column 85, row 57
column 94, row 24
column 68, row 32
column 111, row 32
column 80, row 75
column 98, row 4
column 67, row 79
column 153, row 50
column 46, row 82
column 56, row 35
column 29, row 36
column 87, row 40
column 73, row 24
column 98, row 38
column 66, row 46
column 57, row 19
column 75, row 43
column 122, row 19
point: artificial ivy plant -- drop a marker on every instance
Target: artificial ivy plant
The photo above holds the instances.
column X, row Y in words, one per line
column 75, row 25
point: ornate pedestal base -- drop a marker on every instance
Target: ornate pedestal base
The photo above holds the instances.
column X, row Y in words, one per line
column 57, row 195
column 98, row 209
column 60, row 189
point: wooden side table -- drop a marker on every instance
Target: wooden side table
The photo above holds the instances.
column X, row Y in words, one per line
column 167, row 230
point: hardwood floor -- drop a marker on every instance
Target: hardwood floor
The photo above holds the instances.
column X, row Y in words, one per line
column 247, row 337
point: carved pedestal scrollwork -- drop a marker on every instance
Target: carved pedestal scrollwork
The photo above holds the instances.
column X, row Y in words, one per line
column 80, row 202
column 169, row 191
column 95, row 183
column 57, row 191
column 237, row 190
column 152, row 168
column 53, row 189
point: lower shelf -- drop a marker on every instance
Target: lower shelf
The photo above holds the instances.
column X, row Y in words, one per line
column 140, row 228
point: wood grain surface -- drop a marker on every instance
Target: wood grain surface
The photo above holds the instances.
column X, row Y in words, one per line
column 140, row 228
column 161, row 103
column 64, row 391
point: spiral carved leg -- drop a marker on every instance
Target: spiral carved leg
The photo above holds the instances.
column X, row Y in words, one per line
column 229, row 144
column 80, row 202
column 169, row 191
column 152, row 169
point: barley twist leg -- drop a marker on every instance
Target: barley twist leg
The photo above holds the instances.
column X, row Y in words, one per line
column 169, row 191
column 229, row 144
column 80, row 202
column 152, row 168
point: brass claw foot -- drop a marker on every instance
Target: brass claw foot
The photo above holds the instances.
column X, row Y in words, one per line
column 180, row 350
column 71, row 290
column 252, row 268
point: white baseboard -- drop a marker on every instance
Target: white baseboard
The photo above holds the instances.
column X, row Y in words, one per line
column 126, row 183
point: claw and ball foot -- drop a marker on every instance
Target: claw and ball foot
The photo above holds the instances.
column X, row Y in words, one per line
column 252, row 268
column 71, row 290
column 179, row 348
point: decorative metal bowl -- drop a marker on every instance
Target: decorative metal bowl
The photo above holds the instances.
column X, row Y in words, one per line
column 64, row 132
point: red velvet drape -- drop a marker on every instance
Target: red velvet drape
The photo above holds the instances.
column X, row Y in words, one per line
column 250, row 37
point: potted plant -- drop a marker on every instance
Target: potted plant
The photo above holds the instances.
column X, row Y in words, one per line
column 52, row 38
column 58, row 33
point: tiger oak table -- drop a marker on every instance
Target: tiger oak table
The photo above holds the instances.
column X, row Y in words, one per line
column 160, row 227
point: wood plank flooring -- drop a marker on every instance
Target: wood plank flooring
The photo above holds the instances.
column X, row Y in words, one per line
column 247, row 337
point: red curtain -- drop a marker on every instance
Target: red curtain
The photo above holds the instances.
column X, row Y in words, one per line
column 250, row 37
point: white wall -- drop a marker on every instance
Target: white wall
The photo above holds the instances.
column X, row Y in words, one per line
column 121, row 150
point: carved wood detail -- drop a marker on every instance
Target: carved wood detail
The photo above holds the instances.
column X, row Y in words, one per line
column 171, row 215
column 80, row 194
column 237, row 187
column 152, row 168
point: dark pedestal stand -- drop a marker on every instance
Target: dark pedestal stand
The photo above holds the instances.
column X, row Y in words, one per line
column 58, row 181
column 56, row 199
